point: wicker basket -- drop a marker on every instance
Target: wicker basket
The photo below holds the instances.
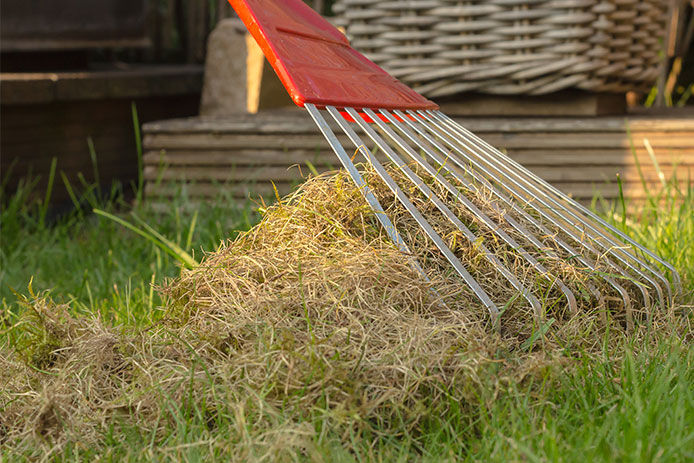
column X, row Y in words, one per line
column 443, row 47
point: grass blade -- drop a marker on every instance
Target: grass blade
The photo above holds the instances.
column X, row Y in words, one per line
column 95, row 165
column 651, row 154
column 178, row 252
column 49, row 191
column 155, row 237
column 138, row 147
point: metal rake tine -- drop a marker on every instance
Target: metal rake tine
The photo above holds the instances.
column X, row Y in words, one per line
column 369, row 196
column 547, row 212
column 652, row 255
column 510, row 277
column 361, row 184
column 421, row 221
column 550, row 211
column 442, row 163
column 538, row 196
column 612, row 247
column 494, row 227
column 431, row 153
column 573, row 205
column 565, row 204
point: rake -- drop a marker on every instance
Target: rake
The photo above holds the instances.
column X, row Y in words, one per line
column 348, row 95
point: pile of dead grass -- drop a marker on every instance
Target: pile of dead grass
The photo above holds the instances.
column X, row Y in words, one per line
column 312, row 309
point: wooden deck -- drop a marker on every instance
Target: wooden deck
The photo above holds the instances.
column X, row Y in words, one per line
column 581, row 156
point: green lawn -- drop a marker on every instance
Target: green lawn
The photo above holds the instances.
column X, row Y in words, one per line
column 635, row 403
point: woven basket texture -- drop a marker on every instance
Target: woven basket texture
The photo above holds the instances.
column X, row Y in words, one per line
column 444, row 47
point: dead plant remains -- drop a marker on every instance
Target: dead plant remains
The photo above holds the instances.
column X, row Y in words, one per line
column 313, row 310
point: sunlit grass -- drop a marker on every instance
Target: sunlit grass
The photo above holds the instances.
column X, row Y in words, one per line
column 663, row 221
column 635, row 405
column 97, row 264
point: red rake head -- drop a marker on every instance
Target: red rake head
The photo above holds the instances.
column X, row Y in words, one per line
column 315, row 62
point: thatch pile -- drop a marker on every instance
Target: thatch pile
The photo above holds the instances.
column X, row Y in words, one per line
column 312, row 309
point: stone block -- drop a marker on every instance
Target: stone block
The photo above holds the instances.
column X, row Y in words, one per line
column 238, row 78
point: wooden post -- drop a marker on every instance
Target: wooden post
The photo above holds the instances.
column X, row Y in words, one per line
column 670, row 39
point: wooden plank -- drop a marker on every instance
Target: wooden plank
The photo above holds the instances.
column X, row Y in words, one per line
column 598, row 175
column 68, row 113
column 73, row 147
column 231, row 142
column 584, row 190
column 538, row 157
column 580, row 156
column 611, row 191
column 229, row 174
column 145, row 81
column 279, row 129
column 298, row 121
column 583, row 141
column 163, row 205
column 571, row 125
column 290, row 122
column 210, row 190
column 72, row 24
column 506, row 141
column 597, row 157
column 240, row 157
column 106, row 166
column 296, row 171
column 563, row 103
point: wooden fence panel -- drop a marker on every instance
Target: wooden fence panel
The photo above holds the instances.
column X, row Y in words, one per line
column 180, row 28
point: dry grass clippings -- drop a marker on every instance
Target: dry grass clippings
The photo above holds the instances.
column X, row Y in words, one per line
column 312, row 309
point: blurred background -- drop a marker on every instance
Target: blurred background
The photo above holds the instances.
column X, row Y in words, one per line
column 80, row 78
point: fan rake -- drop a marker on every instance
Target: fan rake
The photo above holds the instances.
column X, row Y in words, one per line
column 439, row 161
